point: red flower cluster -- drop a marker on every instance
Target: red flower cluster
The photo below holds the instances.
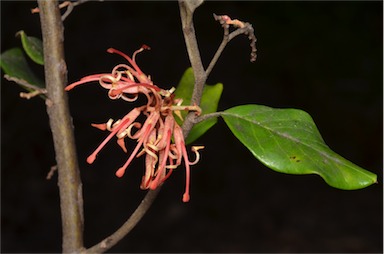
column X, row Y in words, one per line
column 159, row 138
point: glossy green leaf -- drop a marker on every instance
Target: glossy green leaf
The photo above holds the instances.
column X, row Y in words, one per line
column 33, row 47
column 288, row 141
column 209, row 103
column 15, row 65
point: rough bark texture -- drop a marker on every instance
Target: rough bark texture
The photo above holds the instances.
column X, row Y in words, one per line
column 62, row 131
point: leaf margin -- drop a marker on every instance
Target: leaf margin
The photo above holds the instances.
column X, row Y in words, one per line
column 370, row 177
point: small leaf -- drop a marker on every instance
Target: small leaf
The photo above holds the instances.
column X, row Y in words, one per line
column 209, row 103
column 15, row 65
column 33, row 47
column 288, row 141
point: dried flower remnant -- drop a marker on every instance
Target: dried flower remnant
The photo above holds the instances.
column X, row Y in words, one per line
column 242, row 27
column 159, row 138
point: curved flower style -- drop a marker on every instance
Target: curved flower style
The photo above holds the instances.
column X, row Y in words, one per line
column 159, row 138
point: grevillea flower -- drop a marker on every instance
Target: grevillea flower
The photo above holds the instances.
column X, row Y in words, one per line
column 159, row 138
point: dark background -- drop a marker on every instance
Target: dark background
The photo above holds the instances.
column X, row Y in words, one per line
column 322, row 57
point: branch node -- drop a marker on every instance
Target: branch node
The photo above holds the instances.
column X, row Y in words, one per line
column 48, row 103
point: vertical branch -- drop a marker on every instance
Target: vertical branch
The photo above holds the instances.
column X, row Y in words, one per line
column 69, row 182
column 187, row 8
column 186, row 13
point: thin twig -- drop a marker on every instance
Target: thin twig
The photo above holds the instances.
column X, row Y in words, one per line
column 30, row 94
column 70, row 187
column 69, row 9
column 242, row 28
column 51, row 172
column 34, row 90
column 207, row 116
column 111, row 240
column 217, row 55
column 24, row 83
column 70, row 6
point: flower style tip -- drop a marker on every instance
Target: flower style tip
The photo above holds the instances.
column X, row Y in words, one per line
column 186, row 197
column 91, row 158
column 120, row 172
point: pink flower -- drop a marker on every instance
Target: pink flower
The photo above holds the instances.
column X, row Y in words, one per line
column 159, row 138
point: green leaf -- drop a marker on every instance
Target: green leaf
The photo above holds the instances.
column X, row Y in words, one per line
column 15, row 65
column 33, row 47
column 209, row 103
column 288, row 141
